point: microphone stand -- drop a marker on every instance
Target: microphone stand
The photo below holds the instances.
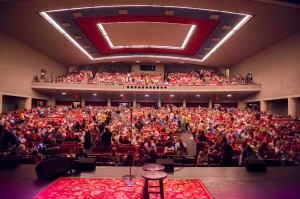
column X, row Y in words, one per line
column 129, row 179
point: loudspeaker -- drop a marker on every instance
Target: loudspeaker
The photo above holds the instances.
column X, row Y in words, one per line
column 85, row 164
column 53, row 168
column 256, row 165
column 168, row 163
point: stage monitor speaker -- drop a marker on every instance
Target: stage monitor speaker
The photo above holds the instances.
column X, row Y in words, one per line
column 256, row 165
column 168, row 163
column 53, row 168
column 85, row 164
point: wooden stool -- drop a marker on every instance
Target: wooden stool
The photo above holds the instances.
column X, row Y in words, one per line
column 153, row 167
column 153, row 175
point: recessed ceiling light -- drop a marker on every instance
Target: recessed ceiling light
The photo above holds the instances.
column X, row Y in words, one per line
column 113, row 61
column 146, row 95
column 229, row 95
column 137, row 61
column 86, row 46
column 77, row 14
column 77, row 37
column 198, row 95
column 95, row 94
column 207, row 49
column 63, row 93
column 172, row 95
column 157, row 61
column 182, row 62
column 121, row 95
column 214, row 16
column 65, row 25
column 226, row 27
column 215, row 39
column 169, row 12
column 123, row 12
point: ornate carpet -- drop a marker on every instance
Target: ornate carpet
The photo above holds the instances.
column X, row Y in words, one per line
column 84, row 188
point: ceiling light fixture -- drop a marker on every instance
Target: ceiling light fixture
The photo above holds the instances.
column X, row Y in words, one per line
column 172, row 95
column 246, row 18
column 198, row 95
column 146, row 95
column 109, row 42
column 62, row 31
column 63, row 93
column 238, row 26
column 229, row 95
column 121, row 95
column 95, row 94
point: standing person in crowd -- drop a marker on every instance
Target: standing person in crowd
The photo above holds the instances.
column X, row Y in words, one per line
column 200, row 142
column 87, row 139
column 106, row 137
column 227, row 153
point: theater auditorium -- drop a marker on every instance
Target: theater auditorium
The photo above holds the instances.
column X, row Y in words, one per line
column 149, row 99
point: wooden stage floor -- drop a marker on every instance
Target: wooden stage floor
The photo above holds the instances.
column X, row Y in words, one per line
column 222, row 183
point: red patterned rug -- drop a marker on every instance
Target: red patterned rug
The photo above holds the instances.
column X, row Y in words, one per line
column 83, row 188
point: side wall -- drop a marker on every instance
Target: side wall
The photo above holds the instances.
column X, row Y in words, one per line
column 277, row 69
column 19, row 64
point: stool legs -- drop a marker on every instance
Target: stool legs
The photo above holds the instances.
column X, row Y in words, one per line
column 146, row 195
column 161, row 187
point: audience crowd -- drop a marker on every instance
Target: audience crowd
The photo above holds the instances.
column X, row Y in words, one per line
column 201, row 77
column 222, row 137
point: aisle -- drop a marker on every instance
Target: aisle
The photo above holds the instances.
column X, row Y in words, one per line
column 190, row 143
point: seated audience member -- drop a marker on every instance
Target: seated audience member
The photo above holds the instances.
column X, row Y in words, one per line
column 169, row 149
column 202, row 159
column 152, row 156
column 214, row 158
column 32, row 150
column 247, row 152
column 141, row 158
column 181, row 149
column 8, row 140
column 262, row 152
column 81, row 154
column 114, row 157
column 150, row 146
column 128, row 159
column 71, row 154
column 18, row 149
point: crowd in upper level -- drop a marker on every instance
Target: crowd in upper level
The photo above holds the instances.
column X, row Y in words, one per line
column 201, row 77
column 240, row 132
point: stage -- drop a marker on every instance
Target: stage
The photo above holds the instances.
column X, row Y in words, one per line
column 235, row 182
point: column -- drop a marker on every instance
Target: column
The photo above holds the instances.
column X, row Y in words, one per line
column 28, row 102
column 292, row 107
column 108, row 102
column 242, row 105
column 210, row 104
column 263, row 105
column 134, row 103
column 82, row 102
column 184, row 103
column 50, row 102
column 159, row 103
column 1, row 102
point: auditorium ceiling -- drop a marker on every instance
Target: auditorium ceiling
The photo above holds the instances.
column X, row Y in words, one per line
column 209, row 33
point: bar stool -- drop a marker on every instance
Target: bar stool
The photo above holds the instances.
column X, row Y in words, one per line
column 153, row 175
column 153, row 167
